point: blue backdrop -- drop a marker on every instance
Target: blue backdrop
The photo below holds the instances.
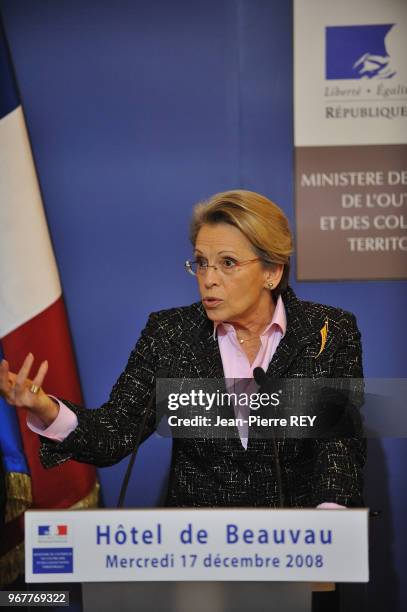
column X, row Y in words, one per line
column 136, row 110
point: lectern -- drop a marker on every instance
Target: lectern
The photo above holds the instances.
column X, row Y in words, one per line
column 197, row 559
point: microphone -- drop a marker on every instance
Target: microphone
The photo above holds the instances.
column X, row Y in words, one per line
column 260, row 376
column 161, row 373
column 262, row 380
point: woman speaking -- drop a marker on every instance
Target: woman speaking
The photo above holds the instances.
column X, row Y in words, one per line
column 248, row 317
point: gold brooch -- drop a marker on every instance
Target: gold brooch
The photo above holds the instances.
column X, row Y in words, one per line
column 324, row 335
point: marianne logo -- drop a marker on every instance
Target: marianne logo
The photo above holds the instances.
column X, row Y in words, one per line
column 47, row 530
column 58, row 533
column 363, row 51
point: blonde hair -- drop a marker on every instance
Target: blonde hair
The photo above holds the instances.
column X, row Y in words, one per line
column 262, row 222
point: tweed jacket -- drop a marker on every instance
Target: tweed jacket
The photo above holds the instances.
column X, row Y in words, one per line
column 220, row 472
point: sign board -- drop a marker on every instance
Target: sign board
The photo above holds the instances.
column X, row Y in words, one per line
column 197, row 544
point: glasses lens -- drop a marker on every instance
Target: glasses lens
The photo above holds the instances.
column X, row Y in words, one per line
column 190, row 266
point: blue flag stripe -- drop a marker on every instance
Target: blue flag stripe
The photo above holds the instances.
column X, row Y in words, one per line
column 9, row 98
column 11, row 446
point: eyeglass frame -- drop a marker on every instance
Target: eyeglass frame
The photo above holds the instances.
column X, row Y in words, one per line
column 238, row 264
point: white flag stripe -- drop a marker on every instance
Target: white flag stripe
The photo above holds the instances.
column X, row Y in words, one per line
column 28, row 272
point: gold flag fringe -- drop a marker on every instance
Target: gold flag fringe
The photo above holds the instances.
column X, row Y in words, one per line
column 90, row 501
column 18, row 494
column 12, row 565
column 19, row 499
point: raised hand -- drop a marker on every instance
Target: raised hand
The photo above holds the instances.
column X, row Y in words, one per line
column 19, row 390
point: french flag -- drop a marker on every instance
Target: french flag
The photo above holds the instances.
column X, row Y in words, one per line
column 32, row 311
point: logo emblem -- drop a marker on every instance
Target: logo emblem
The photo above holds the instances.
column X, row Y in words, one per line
column 361, row 51
column 56, row 534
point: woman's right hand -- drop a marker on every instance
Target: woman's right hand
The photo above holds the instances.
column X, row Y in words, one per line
column 15, row 388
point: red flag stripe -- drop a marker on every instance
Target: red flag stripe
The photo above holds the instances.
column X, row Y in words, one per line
column 47, row 337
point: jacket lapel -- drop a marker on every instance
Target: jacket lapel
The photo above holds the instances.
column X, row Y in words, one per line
column 299, row 333
column 209, row 362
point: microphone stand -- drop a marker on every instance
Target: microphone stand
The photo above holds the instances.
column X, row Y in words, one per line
column 262, row 379
column 162, row 373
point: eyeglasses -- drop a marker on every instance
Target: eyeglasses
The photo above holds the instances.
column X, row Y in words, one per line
column 225, row 265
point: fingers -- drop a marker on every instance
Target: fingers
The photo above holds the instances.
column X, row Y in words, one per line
column 20, row 383
column 15, row 387
column 3, row 373
column 42, row 371
column 6, row 378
